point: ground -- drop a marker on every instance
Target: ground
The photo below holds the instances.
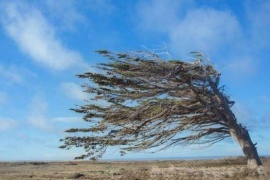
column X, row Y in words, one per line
column 229, row 168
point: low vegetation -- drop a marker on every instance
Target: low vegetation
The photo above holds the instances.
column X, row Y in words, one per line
column 228, row 169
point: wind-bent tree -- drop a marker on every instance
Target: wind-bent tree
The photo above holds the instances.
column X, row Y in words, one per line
column 154, row 103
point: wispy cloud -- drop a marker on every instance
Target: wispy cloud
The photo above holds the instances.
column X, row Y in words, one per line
column 66, row 13
column 189, row 27
column 239, row 68
column 205, row 30
column 37, row 114
column 259, row 18
column 7, row 123
column 161, row 15
column 36, row 37
column 216, row 32
column 12, row 74
column 67, row 119
column 73, row 91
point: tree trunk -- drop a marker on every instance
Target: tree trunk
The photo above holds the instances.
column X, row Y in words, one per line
column 241, row 135
column 237, row 131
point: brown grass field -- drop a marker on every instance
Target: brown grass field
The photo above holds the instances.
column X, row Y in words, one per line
column 230, row 168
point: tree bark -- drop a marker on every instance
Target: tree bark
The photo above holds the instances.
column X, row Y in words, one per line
column 237, row 131
column 241, row 135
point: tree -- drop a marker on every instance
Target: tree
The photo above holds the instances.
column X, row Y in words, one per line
column 154, row 103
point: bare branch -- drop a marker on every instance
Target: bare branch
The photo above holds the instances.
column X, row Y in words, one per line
column 154, row 103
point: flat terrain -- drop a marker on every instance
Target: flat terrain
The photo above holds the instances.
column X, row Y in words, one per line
column 127, row 170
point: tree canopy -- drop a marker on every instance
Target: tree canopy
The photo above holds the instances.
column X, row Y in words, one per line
column 155, row 103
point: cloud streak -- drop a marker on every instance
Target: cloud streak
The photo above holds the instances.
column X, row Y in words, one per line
column 239, row 68
column 65, row 13
column 73, row 91
column 258, row 13
column 219, row 33
column 199, row 28
column 12, row 73
column 159, row 15
column 67, row 119
column 204, row 30
column 36, row 116
column 7, row 123
column 36, row 37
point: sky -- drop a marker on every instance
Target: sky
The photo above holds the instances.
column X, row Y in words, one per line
column 45, row 43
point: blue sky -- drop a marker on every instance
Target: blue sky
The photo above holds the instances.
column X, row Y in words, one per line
column 45, row 43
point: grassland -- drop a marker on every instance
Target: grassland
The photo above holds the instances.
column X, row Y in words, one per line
column 231, row 169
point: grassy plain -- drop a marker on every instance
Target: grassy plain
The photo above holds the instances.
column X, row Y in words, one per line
column 231, row 169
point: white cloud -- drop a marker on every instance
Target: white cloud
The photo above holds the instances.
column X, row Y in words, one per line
column 204, row 30
column 7, row 123
column 159, row 15
column 259, row 17
column 36, row 116
column 36, row 37
column 188, row 27
column 68, row 119
column 73, row 91
column 239, row 68
column 12, row 73
column 64, row 12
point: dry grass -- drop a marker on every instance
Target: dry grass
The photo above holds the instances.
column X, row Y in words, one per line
column 231, row 169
